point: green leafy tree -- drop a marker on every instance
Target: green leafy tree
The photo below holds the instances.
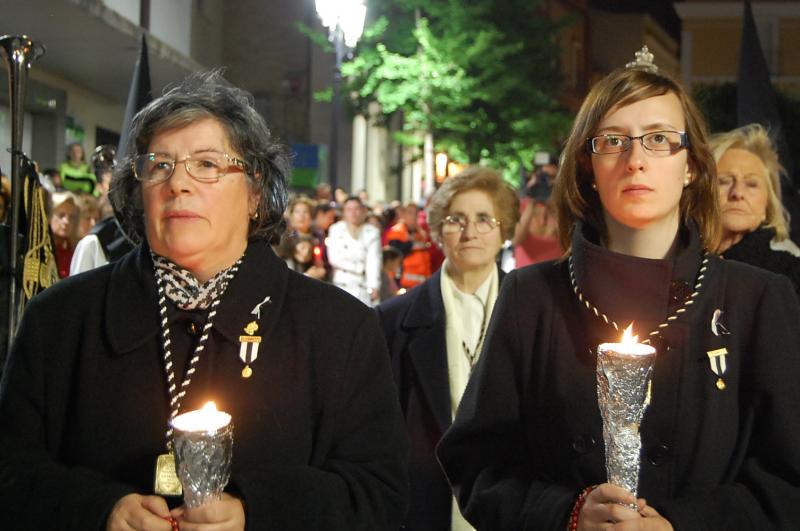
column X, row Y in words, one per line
column 479, row 77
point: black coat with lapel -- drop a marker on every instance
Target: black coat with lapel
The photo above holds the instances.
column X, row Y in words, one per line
column 414, row 326
column 318, row 435
column 528, row 435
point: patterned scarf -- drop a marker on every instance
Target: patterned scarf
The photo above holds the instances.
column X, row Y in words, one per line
column 183, row 289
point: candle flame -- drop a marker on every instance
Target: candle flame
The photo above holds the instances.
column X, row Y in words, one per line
column 209, row 407
column 627, row 336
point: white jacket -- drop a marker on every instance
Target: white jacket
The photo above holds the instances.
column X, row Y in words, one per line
column 356, row 261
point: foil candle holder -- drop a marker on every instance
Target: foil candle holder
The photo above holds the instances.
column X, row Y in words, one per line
column 624, row 373
column 203, row 445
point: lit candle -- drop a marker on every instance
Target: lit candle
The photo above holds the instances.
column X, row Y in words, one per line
column 624, row 373
column 206, row 419
column 628, row 346
column 203, row 445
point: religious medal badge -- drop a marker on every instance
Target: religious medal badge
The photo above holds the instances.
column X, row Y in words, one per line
column 624, row 379
column 249, row 342
column 718, row 357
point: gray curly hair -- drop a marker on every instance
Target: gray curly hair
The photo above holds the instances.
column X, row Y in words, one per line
column 207, row 95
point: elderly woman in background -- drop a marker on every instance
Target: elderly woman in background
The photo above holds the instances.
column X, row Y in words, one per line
column 64, row 219
column 84, row 408
column 435, row 332
column 754, row 222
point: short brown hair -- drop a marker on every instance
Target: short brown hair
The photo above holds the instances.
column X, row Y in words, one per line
column 573, row 195
column 301, row 200
column 506, row 203
column 755, row 139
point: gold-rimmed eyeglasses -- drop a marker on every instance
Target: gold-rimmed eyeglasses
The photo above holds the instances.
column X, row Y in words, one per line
column 454, row 223
column 204, row 166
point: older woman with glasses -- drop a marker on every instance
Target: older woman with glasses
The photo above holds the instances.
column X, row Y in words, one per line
column 201, row 310
column 435, row 332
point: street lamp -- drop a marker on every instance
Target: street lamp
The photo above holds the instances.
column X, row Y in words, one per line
column 345, row 22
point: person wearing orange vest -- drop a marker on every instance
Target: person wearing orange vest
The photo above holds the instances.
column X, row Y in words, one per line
column 413, row 242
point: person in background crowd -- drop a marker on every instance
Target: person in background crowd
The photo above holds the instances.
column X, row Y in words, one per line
column 340, row 195
column 103, row 185
column 536, row 238
column 51, row 180
column 88, row 213
column 322, row 193
column 364, row 196
column 301, row 255
column 76, row 174
column 435, row 254
column 392, row 260
column 105, row 241
column 435, row 331
column 64, row 220
column 637, row 197
column 413, row 242
column 354, row 253
column 754, row 222
column 324, row 217
column 84, row 408
column 300, row 223
column 389, row 218
column 376, row 221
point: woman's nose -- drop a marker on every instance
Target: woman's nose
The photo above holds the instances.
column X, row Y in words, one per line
column 637, row 158
column 180, row 178
column 736, row 190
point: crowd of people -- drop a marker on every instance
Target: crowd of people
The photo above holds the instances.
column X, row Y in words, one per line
column 413, row 372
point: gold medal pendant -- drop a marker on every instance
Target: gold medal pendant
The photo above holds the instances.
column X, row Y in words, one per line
column 719, row 365
column 248, row 348
column 166, row 478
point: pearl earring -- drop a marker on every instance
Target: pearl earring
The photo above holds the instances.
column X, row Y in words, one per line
column 594, row 186
column 686, row 182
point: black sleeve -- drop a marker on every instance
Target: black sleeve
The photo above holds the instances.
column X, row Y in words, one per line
column 403, row 247
column 36, row 490
column 765, row 495
column 484, row 454
column 362, row 485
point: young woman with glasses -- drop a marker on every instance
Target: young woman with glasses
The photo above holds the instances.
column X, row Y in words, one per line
column 720, row 440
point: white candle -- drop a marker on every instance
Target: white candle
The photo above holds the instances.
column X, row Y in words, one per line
column 629, row 346
column 206, row 419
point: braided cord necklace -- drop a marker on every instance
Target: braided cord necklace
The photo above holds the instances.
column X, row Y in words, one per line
column 660, row 328
column 472, row 354
column 175, row 394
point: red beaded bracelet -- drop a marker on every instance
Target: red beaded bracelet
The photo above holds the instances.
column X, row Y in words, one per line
column 572, row 524
column 173, row 522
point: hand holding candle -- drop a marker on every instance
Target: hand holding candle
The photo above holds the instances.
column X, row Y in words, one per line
column 203, row 443
column 624, row 372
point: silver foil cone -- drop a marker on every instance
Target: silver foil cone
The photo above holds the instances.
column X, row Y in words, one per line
column 203, row 459
column 623, row 383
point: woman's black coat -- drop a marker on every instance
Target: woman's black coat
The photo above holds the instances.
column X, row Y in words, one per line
column 528, row 433
column 319, row 441
column 414, row 326
column 755, row 249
